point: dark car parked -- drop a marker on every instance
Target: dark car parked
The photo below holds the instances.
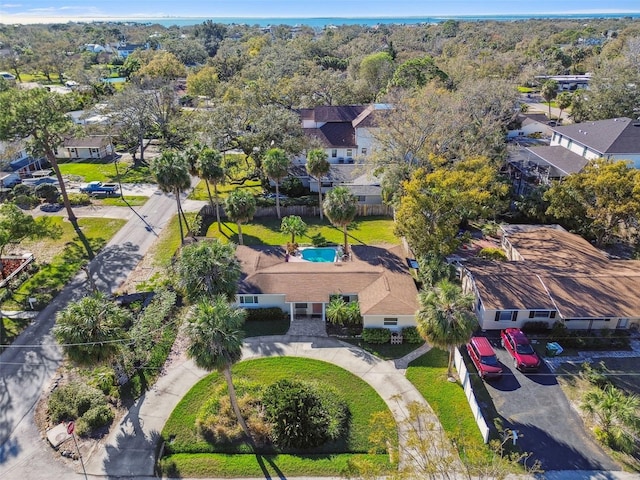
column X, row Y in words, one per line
column 484, row 358
column 517, row 344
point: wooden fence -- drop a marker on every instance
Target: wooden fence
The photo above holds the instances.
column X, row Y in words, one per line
column 304, row 211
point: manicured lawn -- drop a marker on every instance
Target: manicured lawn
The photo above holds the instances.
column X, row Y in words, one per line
column 429, row 375
column 39, row 77
column 526, row 89
column 182, row 437
column 132, row 200
column 103, row 171
column 168, row 243
column 200, row 191
column 385, row 351
column 261, row 466
column 62, row 259
column 266, row 231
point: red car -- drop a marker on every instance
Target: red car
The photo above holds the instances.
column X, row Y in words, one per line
column 517, row 344
column 484, row 358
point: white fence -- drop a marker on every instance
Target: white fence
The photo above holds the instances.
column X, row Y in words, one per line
column 463, row 373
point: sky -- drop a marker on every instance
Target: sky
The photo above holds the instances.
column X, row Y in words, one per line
column 39, row 11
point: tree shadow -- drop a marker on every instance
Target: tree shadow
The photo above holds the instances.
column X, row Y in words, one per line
column 270, row 460
column 378, row 256
column 554, row 454
column 112, row 265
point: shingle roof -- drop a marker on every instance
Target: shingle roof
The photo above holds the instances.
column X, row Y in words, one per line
column 336, row 135
column 86, row 142
column 378, row 275
column 564, row 161
column 560, row 271
column 344, row 113
column 612, row 136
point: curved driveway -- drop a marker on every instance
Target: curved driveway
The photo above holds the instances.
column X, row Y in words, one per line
column 131, row 447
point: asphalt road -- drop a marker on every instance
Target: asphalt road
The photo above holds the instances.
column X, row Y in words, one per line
column 27, row 368
column 535, row 406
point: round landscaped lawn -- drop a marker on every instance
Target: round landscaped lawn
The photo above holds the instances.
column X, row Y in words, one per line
column 190, row 454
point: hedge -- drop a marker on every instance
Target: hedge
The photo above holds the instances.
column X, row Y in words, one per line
column 376, row 335
column 411, row 335
column 264, row 314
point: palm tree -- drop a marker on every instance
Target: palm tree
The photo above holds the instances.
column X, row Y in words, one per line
column 342, row 313
column 209, row 166
column 616, row 414
column 240, row 206
column 340, row 206
column 318, row 166
column 215, row 342
column 445, row 318
column 171, row 171
column 276, row 166
column 208, row 268
column 563, row 100
column 294, row 225
column 549, row 91
column 90, row 328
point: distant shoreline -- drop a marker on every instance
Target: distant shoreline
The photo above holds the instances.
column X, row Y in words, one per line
column 308, row 21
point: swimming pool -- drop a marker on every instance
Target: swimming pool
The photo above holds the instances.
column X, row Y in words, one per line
column 318, row 254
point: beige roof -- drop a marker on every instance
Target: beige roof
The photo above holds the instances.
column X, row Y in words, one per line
column 378, row 275
column 559, row 271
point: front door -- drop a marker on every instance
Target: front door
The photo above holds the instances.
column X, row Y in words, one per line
column 317, row 309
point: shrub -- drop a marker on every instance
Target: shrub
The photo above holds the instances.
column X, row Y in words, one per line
column 536, row 326
column 217, row 422
column 48, row 192
column 411, row 335
column 94, row 418
column 492, row 253
column 26, row 202
column 81, row 402
column 265, row 314
column 79, row 199
column 292, row 186
column 376, row 335
column 318, row 240
column 303, row 416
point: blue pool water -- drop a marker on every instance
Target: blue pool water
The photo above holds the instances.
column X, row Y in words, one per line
column 319, row 254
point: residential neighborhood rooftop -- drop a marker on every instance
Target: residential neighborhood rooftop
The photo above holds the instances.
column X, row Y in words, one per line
column 613, row 136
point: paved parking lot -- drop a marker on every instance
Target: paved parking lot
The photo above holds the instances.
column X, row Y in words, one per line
column 535, row 406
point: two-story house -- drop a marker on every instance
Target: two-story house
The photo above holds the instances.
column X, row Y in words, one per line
column 346, row 135
column 572, row 146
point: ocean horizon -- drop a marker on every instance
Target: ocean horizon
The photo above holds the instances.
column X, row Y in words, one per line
column 321, row 22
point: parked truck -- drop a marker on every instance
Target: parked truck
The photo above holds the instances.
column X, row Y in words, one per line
column 99, row 189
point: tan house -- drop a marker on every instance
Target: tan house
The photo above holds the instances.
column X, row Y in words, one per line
column 553, row 275
column 376, row 277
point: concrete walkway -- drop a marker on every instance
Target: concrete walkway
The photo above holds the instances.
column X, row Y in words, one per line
column 131, row 447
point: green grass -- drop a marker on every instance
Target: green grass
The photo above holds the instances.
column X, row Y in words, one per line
column 385, row 351
column 40, row 77
column 190, row 455
column 526, row 89
column 429, row 375
column 262, row 466
column 69, row 256
column 168, row 242
column 266, row 231
column 200, row 191
column 363, row 401
column 105, row 171
column 132, row 200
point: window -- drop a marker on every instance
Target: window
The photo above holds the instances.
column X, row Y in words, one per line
column 542, row 314
column 479, row 305
column 364, row 151
column 248, row 299
column 326, row 184
column 349, row 152
column 506, row 315
column 361, row 198
column 390, row 321
column 301, row 305
column 334, row 153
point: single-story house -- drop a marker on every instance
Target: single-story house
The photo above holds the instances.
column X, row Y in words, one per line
column 94, row 146
column 553, row 275
column 530, row 123
column 376, row 277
